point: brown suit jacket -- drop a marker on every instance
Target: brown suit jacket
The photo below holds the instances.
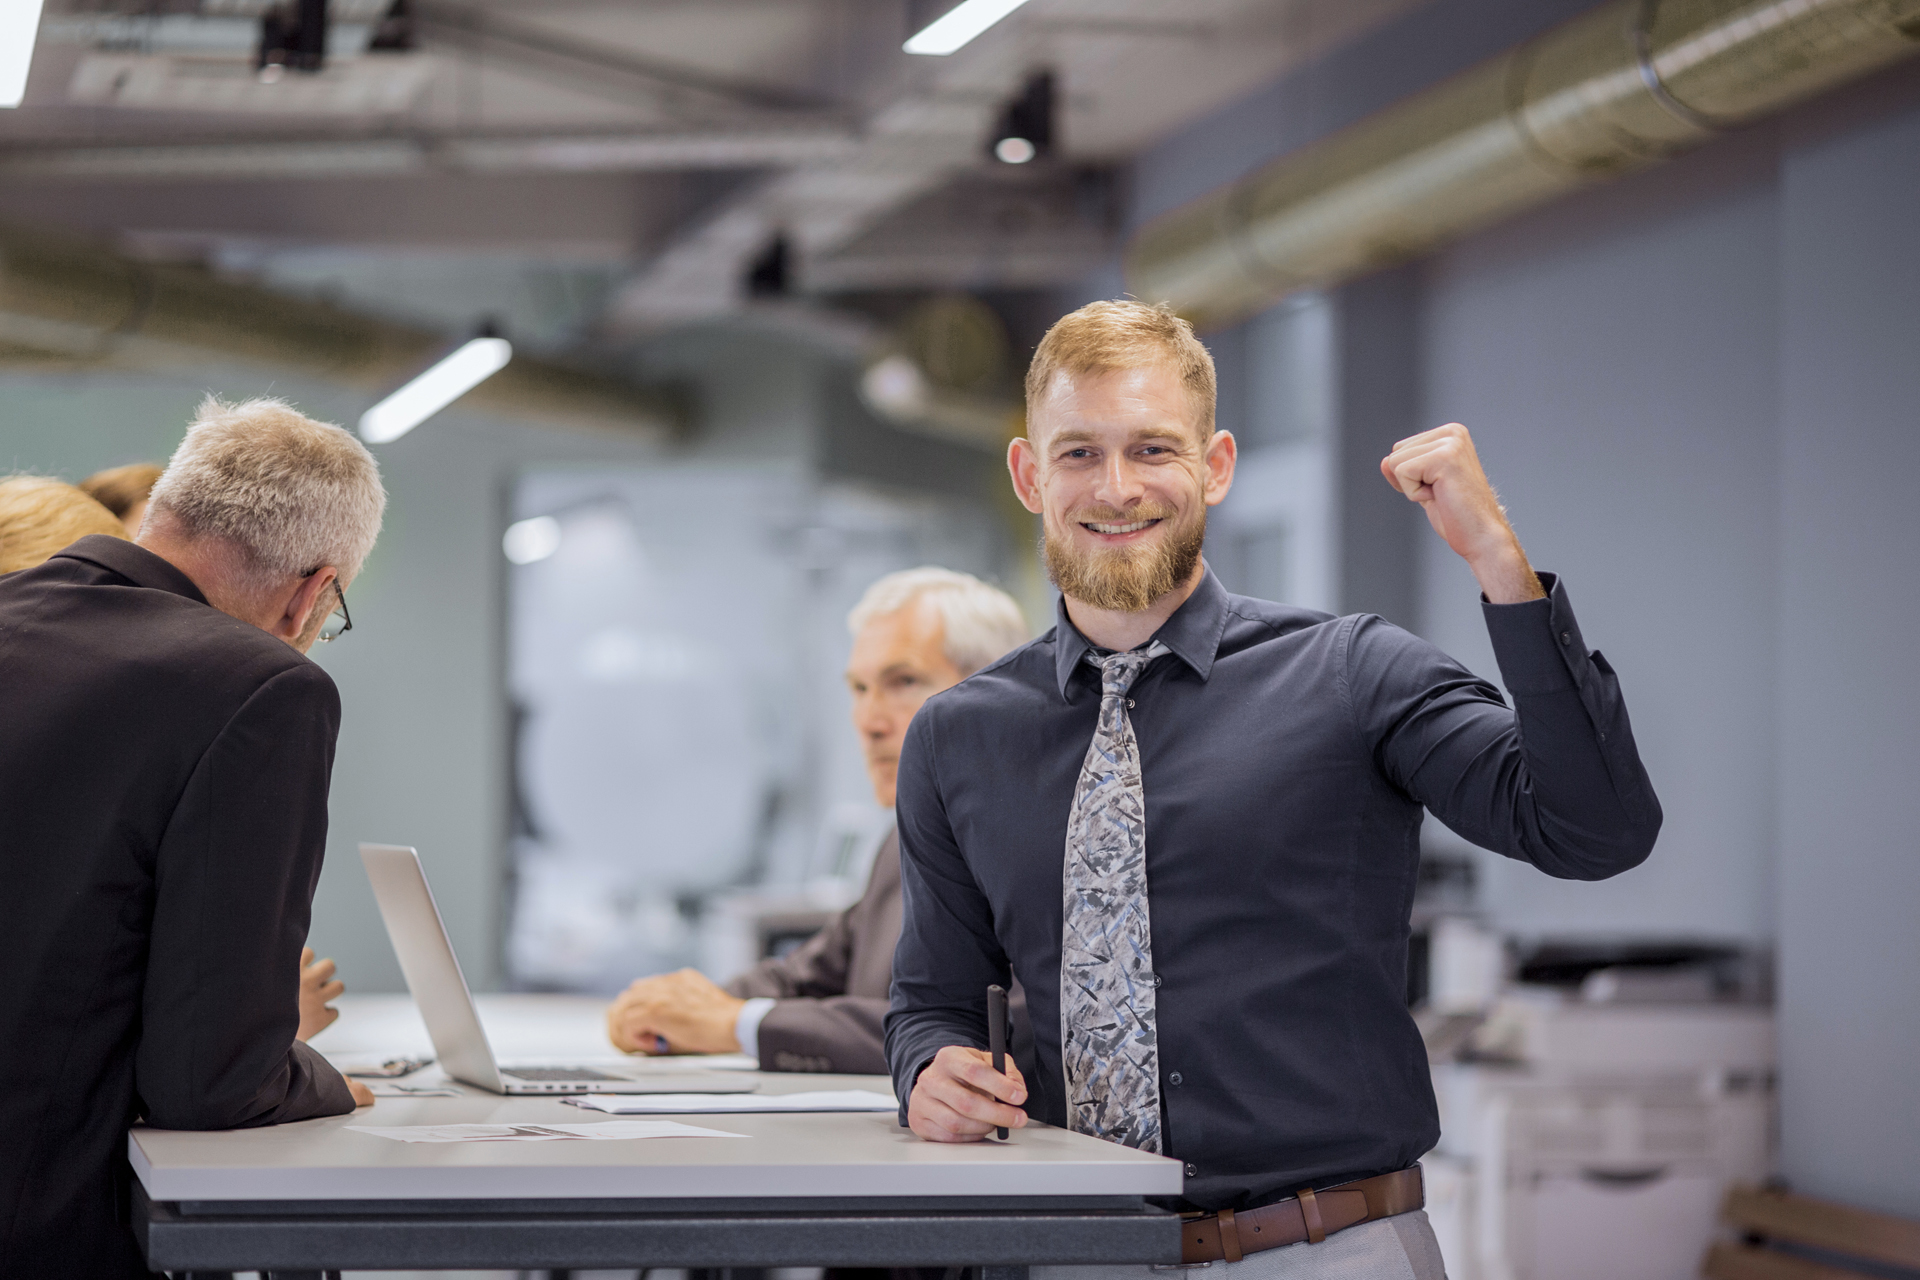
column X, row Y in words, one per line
column 832, row 990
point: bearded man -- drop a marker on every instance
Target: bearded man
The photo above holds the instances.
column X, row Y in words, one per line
column 1188, row 822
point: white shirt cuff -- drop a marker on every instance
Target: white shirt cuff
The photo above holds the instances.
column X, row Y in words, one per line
column 746, row 1025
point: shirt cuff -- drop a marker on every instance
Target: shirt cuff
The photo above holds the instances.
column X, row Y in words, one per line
column 1537, row 642
column 746, row 1024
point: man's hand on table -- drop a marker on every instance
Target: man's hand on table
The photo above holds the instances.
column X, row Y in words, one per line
column 685, row 1009
column 961, row 1098
column 1440, row 470
column 317, row 986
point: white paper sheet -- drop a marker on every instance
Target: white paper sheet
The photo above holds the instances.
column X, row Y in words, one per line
column 601, row 1131
column 382, row 1066
column 394, row 1089
column 713, row 1103
column 665, row 1064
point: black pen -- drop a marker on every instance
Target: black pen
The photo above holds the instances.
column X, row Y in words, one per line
column 997, row 1035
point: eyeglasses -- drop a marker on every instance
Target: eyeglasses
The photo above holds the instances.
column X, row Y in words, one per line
column 339, row 622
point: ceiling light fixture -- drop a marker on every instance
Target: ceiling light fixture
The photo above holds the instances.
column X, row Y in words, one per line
column 19, row 27
column 531, row 540
column 771, row 274
column 959, row 25
column 895, row 388
column 1013, row 150
column 1024, row 131
column 293, row 36
column 468, row 367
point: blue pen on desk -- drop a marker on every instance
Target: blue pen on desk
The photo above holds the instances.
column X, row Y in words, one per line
column 997, row 1035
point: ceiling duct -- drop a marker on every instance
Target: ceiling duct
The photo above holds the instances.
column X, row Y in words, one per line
column 1615, row 90
column 70, row 302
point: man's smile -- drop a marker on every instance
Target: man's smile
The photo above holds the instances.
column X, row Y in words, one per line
column 1118, row 530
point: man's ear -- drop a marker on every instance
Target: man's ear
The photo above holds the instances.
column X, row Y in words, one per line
column 1223, row 453
column 1023, row 464
column 300, row 605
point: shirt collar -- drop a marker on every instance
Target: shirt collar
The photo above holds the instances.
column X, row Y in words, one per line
column 1192, row 633
column 136, row 564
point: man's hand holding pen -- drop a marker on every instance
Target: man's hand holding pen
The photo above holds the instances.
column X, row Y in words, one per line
column 961, row 1098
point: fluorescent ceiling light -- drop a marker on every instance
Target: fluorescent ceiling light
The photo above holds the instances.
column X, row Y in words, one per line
column 19, row 26
column 960, row 24
column 531, row 541
column 435, row 389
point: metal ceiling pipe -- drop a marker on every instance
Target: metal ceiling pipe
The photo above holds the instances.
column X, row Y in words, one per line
column 74, row 303
column 1615, row 90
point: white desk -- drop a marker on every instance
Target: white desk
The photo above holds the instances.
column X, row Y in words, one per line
column 799, row 1189
column 518, row 1026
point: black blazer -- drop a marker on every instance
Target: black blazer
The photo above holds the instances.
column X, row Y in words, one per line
column 163, row 811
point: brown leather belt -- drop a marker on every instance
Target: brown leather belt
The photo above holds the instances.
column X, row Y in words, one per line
column 1313, row 1216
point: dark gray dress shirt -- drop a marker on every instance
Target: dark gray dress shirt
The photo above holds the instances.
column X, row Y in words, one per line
column 1286, row 756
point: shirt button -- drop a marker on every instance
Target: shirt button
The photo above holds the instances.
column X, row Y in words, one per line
column 1175, row 1078
column 1129, row 704
column 1192, row 1172
column 1566, row 637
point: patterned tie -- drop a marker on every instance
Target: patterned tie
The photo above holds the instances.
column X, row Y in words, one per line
column 1107, row 1043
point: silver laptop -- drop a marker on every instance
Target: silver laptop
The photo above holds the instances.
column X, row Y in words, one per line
column 440, row 990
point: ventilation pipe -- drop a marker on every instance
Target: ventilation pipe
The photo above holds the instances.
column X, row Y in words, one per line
column 72, row 302
column 1618, row 89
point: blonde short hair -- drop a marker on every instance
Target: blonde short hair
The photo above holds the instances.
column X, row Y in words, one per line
column 121, row 489
column 979, row 623
column 40, row 516
column 292, row 493
column 1102, row 337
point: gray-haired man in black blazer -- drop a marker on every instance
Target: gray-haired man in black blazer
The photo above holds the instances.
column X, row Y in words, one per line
column 165, row 749
column 820, row 1007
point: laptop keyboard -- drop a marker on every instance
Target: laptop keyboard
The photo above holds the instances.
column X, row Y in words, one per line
column 551, row 1074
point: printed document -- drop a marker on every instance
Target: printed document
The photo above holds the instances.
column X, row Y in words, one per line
column 604, row 1130
column 714, row 1103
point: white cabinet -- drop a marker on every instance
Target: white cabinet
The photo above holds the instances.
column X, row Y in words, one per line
column 1573, row 1227
column 1605, row 1157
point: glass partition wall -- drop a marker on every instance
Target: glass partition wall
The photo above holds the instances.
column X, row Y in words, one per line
column 684, row 770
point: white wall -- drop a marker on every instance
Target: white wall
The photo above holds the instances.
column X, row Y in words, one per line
column 1849, row 624
column 1614, row 358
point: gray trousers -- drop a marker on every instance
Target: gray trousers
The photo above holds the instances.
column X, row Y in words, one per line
column 1397, row 1248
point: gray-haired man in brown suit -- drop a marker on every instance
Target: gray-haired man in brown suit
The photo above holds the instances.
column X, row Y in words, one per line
column 820, row 1008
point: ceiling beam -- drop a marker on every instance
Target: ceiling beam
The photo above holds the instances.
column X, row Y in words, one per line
column 621, row 151
column 676, row 84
